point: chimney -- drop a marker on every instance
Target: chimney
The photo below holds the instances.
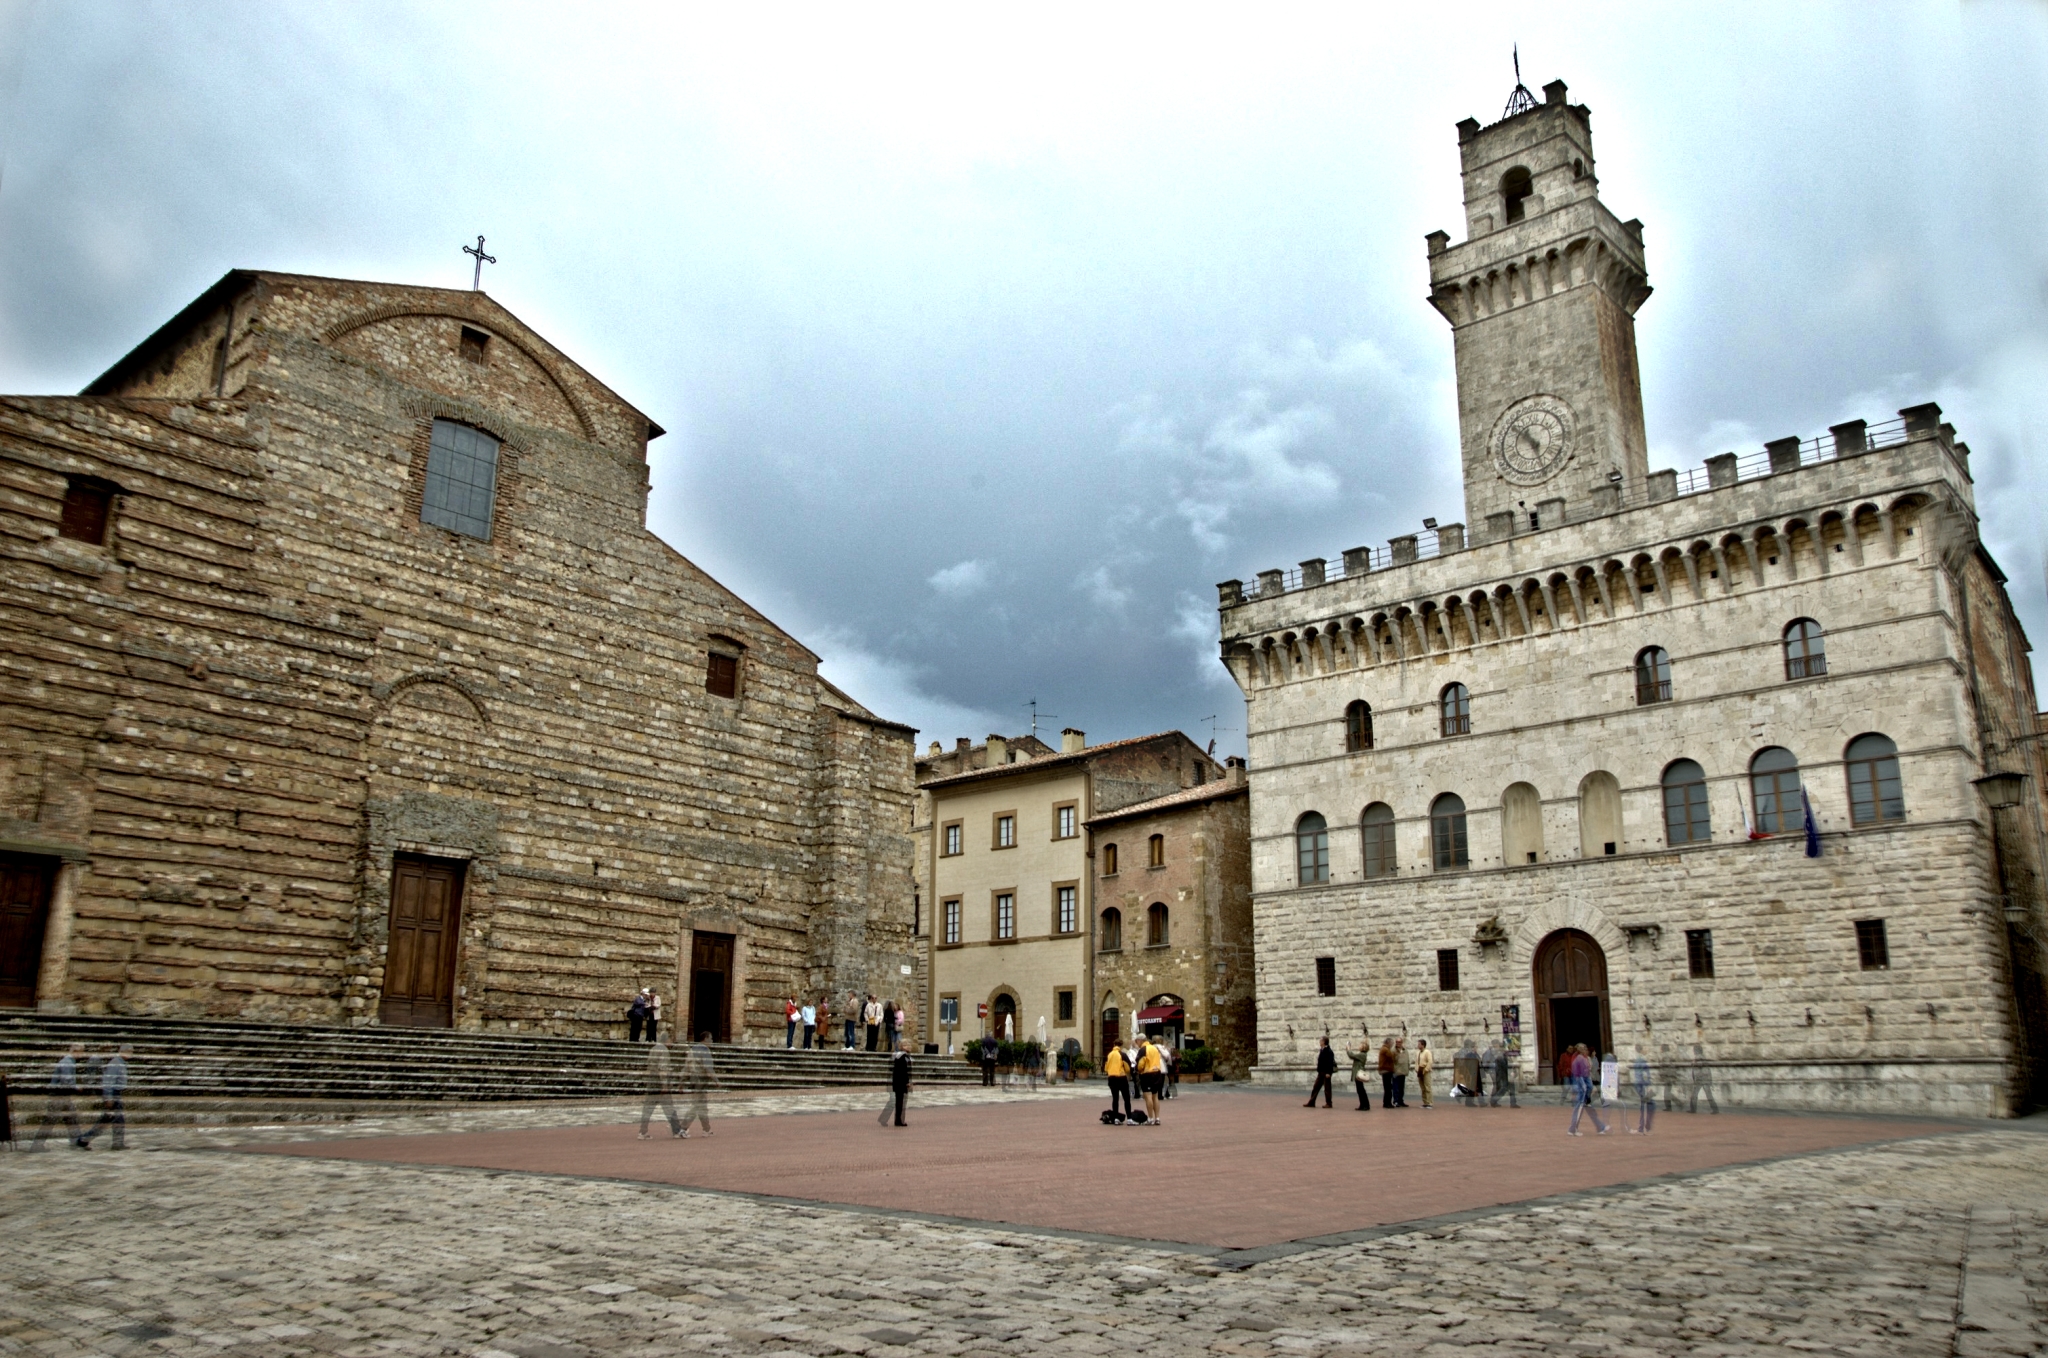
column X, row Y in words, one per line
column 998, row 750
column 935, row 751
column 1233, row 771
column 962, row 746
column 1072, row 741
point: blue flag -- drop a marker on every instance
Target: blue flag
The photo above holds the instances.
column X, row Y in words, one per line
column 1812, row 826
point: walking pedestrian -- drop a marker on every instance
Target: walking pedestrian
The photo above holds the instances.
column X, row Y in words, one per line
column 1361, row 1062
column 1386, row 1064
column 899, row 1087
column 1503, row 1075
column 1582, row 1091
column 1646, row 1093
column 1152, row 1076
column 1172, row 1081
column 793, row 1015
column 63, row 1097
column 809, row 1013
column 988, row 1060
column 698, row 1073
column 1326, row 1067
column 653, row 1013
column 1702, row 1082
column 113, row 1092
column 636, row 1016
column 1404, row 1062
column 1564, row 1072
column 873, row 1013
column 1468, row 1079
column 1116, row 1068
column 1425, row 1063
column 892, row 1022
column 660, row 1089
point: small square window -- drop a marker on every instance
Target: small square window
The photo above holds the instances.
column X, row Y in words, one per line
column 88, row 505
column 475, row 343
column 1326, row 976
column 1871, row 948
column 722, row 678
column 952, row 918
column 1608, row 848
column 1699, row 953
column 949, row 840
column 1446, row 968
column 1063, row 1006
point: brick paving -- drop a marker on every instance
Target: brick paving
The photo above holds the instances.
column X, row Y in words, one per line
column 1293, row 1173
column 1933, row 1246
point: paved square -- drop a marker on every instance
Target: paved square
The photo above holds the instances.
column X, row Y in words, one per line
column 1232, row 1169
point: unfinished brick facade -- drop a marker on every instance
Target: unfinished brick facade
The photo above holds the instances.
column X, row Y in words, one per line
column 272, row 681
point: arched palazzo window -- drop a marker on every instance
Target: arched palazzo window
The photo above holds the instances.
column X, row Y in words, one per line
column 1805, row 655
column 1156, row 933
column 1378, row 827
column 1112, row 929
column 1653, row 676
column 1109, row 860
column 1155, row 851
column 1357, row 727
column 1685, row 804
column 1456, row 707
column 1774, row 792
column 1312, row 849
column 1875, row 795
column 1447, row 845
column 1515, row 189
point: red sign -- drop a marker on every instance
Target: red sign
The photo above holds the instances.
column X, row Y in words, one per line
column 981, row 1011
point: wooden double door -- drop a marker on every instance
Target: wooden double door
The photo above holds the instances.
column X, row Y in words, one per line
column 25, row 883
column 1571, row 999
column 425, row 933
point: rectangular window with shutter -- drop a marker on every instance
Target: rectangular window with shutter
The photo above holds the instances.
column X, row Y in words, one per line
column 722, row 678
column 1326, row 976
column 1446, row 968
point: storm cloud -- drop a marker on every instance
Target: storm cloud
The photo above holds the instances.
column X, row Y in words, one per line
column 990, row 340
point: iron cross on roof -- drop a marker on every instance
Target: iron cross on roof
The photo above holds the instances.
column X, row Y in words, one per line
column 476, row 283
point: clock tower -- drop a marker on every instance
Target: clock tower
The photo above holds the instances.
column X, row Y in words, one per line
column 1541, row 296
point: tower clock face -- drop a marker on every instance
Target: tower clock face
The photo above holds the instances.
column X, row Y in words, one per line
column 1533, row 440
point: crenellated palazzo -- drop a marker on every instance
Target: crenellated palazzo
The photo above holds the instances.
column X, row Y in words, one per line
column 1736, row 766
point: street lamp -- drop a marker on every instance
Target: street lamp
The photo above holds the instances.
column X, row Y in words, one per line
column 2001, row 791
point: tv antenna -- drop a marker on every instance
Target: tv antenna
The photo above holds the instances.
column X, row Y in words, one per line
column 1213, row 728
column 1521, row 101
column 1036, row 714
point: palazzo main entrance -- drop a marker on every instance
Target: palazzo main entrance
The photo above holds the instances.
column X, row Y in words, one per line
column 1571, row 999
column 24, row 912
column 710, row 986
column 419, row 960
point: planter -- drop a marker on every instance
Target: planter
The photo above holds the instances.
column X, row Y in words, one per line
column 1203, row 1078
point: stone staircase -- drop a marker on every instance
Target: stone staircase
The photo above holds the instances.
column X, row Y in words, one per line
column 198, row 1071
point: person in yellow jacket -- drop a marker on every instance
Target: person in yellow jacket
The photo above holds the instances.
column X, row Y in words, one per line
column 1425, row 1062
column 1117, row 1070
column 1151, row 1076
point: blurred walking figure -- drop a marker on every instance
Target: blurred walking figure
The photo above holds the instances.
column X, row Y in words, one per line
column 63, row 1100
column 1117, row 1071
column 113, row 1092
column 697, row 1075
column 1646, row 1093
column 899, row 1088
column 1425, row 1063
column 874, row 1020
column 1361, row 1062
column 1503, row 1075
column 636, row 1016
column 1582, row 1090
column 988, row 1059
column 1326, row 1067
column 661, row 1087
column 1701, row 1082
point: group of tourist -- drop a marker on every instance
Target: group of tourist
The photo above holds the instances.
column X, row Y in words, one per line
column 1156, row 1067
column 643, row 1016
column 108, row 1072
column 883, row 1019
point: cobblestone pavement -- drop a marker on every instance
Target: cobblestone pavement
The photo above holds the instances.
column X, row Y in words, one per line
column 1935, row 1246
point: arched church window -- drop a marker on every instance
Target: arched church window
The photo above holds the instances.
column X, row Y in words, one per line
column 1653, row 676
column 1447, row 845
column 1774, row 792
column 1378, row 827
column 462, row 480
column 1456, row 706
column 1685, row 804
column 1357, row 727
column 1312, row 849
column 1875, row 795
column 1805, row 657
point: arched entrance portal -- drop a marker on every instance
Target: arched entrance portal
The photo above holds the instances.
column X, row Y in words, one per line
column 1571, row 999
column 1003, row 1018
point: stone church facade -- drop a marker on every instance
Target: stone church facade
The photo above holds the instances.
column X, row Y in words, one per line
column 345, row 683
column 1546, row 780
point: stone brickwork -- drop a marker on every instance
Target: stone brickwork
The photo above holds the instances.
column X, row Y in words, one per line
column 273, row 677
column 1204, row 883
column 1537, row 801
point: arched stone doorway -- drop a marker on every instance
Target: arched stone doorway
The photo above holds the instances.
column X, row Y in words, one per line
column 1571, row 998
column 1002, row 1017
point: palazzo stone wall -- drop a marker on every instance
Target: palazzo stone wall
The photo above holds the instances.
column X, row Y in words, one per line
column 273, row 677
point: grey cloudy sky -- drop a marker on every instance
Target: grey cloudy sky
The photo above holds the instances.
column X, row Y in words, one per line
column 990, row 339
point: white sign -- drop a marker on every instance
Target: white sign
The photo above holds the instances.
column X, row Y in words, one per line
column 906, row 971
column 1610, row 1079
